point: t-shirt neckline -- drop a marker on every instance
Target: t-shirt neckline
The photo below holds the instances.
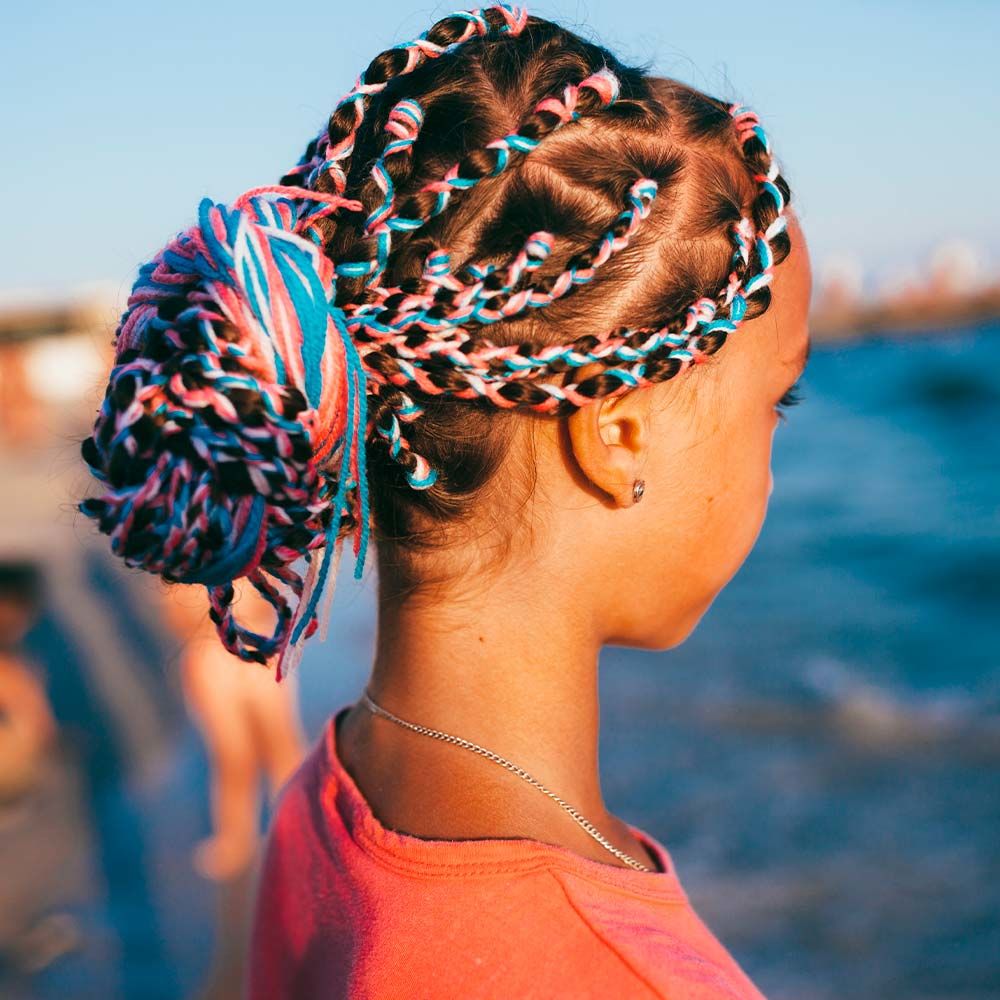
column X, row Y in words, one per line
column 476, row 857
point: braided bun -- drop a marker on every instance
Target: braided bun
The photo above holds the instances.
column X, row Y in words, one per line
column 234, row 383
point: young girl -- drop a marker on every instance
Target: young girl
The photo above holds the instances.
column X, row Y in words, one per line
column 482, row 320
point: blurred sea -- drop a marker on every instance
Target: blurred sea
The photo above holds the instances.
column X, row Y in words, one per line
column 822, row 757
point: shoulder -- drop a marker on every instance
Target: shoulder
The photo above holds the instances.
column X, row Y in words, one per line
column 502, row 935
column 663, row 940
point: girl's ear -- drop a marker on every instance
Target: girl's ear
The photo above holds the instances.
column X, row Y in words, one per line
column 608, row 438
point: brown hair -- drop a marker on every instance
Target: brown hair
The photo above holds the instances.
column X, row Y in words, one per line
column 237, row 381
column 571, row 186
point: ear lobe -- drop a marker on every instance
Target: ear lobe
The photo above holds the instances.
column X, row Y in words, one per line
column 608, row 438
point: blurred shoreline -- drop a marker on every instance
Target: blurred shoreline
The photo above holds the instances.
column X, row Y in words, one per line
column 913, row 315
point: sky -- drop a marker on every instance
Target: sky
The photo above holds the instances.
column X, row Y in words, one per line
column 117, row 118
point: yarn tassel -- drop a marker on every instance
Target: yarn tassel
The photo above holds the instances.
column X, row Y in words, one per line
column 352, row 474
column 291, row 655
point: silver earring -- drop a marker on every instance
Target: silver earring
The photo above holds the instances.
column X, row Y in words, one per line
column 638, row 488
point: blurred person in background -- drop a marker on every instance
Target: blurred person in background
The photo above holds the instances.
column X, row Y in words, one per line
column 27, row 728
column 22, row 413
column 250, row 726
column 33, row 931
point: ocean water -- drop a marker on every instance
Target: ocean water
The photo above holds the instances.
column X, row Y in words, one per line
column 821, row 757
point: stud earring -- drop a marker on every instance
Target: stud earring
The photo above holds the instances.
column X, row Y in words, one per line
column 638, row 488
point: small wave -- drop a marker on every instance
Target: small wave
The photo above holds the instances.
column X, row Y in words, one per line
column 948, row 390
column 839, row 702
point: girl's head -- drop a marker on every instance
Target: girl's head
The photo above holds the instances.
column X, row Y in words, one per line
column 489, row 297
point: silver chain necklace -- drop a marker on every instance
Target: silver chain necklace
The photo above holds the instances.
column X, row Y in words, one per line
column 520, row 772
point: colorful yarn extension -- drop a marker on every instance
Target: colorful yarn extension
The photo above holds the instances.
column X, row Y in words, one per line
column 232, row 437
column 321, row 159
column 252, row 320
column 602, row 83
column 473, row 301
column 490, row 367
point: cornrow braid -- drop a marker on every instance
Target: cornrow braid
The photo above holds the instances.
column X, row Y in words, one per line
column 702, row 333
column 404, row 122
column 271, row 351
column 476, row 302
column 593, row 94
column 327, row 159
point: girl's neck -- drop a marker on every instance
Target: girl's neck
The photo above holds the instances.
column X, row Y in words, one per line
column 522, row 683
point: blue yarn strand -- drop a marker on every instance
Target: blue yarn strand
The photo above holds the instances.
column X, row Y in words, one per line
column 353, row 440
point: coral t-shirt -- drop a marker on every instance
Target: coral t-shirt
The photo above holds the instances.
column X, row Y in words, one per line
column 347, row 907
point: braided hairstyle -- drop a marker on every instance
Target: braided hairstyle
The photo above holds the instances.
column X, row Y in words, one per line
column 271, row 355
